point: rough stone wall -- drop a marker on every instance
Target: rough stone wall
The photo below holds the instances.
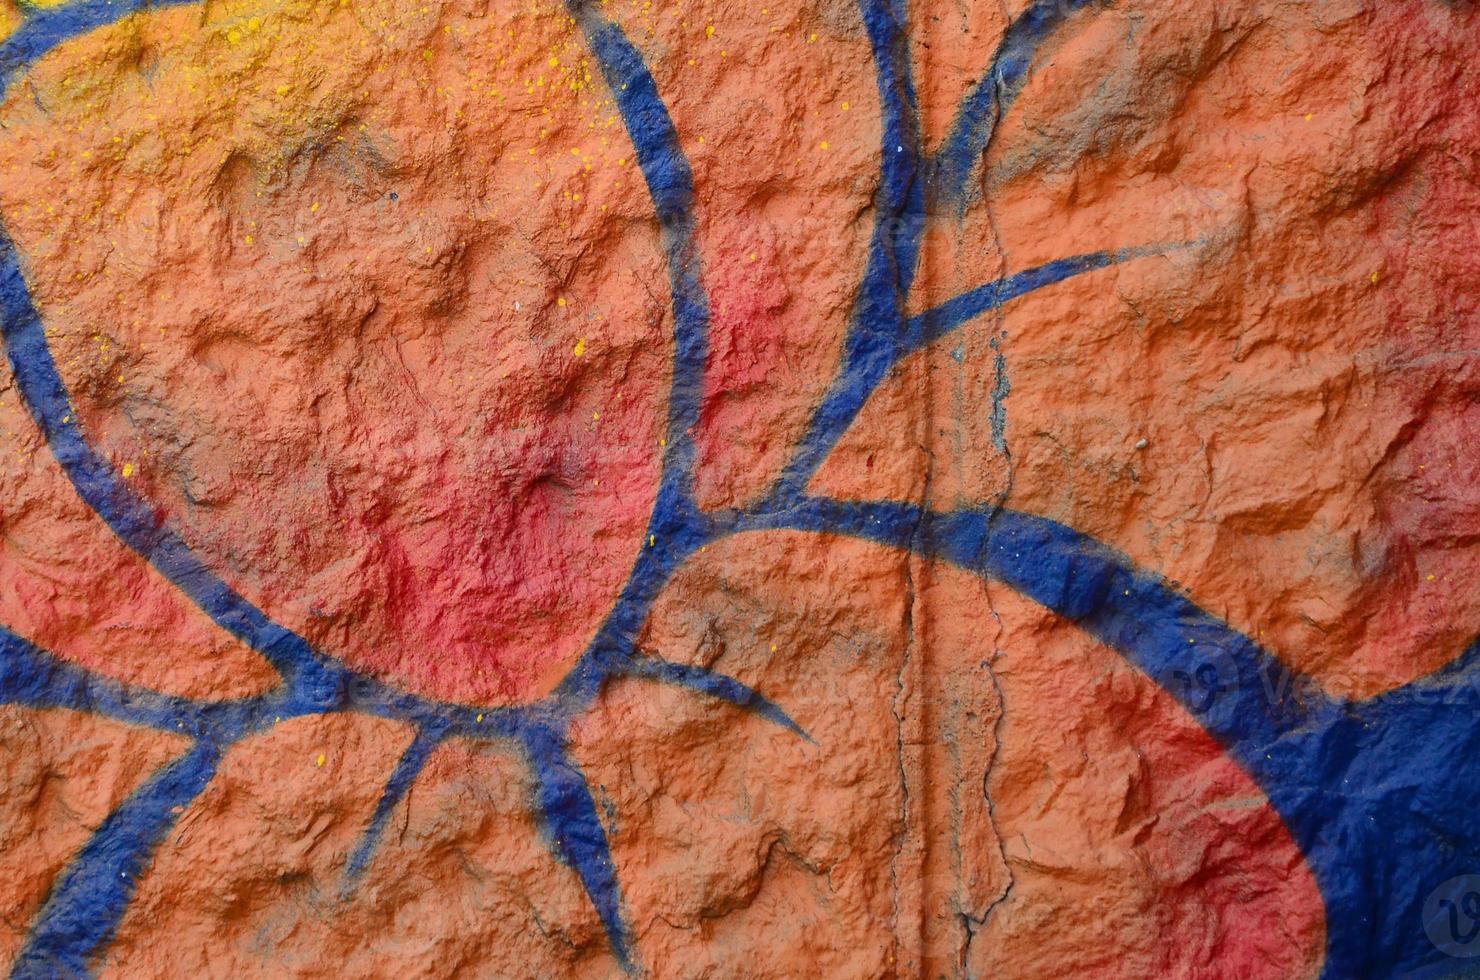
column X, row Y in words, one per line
column 850, row 489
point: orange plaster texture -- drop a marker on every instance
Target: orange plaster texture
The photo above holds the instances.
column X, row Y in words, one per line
column 369, row 299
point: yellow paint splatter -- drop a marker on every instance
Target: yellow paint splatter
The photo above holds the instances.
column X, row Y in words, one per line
column 824, row 144
column 652, row 540
column 580, row 347
column 560, row 301
column 319, row 761
column 128, row 471
column 709, row 31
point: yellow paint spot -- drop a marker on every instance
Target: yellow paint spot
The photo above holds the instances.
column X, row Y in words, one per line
column 1431, row 578
column 580, row 347
column 128, row 471
column 480, row 719
column 652, row 540
column 250, row 239
column 824, row 144
column 1309, row 116
column 313, row 208
column 845, row 107
column 709, row 31
column 319, row 761
column 560, row 301
column 284, row 89
column 1374, row 278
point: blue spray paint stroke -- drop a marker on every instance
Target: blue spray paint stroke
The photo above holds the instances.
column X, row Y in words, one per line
column 1381, row 795
column 977, row 117
column 670, row 183
column 133, row 520
column 715, row 685
column 894, row 244
column 45, row 28
column 413, row 760
column 32, row 677
column 312, row 682
column 86, row 905
column 863, row 372
column 1296, row 742
column 575, row 831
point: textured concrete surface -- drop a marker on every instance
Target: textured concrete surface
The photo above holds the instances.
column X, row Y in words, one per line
column 378, row 311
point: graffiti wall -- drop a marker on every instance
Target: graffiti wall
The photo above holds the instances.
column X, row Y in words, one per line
column 854, row 488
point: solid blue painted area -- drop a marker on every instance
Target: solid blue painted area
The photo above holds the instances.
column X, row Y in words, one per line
column 86, row 904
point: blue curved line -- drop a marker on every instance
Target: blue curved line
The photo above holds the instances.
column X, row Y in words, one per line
column 1331, row 768
column 1380, row 795
column 44, row 29
column 99, row 485
column 1136, row 613
column 670, row 183
column 86, row 905
column 873, row 340
column 928, row 327
column 977, row 117
column 863, row 371
column 412, row 761
column 716, row 686
column 30, row 676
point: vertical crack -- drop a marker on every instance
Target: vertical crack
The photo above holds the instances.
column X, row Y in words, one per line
column 974, row 923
